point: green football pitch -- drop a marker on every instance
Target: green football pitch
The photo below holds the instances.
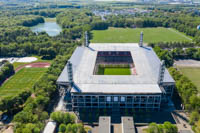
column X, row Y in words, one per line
column 114, row 71
column 128, row 35
column 24, row 79
column 193, row 73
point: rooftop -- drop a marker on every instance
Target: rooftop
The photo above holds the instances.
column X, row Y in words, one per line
column 146, row 62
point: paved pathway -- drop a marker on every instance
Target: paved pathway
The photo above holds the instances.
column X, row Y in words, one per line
column 187, row 63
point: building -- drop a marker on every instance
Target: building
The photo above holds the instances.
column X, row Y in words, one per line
column 147, row 87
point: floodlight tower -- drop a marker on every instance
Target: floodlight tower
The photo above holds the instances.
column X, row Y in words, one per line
column 70, row 72
column 141, row 39
column 86, row 39
column 161, row 72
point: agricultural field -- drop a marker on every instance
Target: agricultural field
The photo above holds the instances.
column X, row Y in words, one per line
column 193, row 73
column 128, row 35
column 24, row 79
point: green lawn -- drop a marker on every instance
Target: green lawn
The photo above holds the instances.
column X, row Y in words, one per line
column 22, row 80
column 128, row 35
column 113, row 71
column 117, row 71
column 193, row 73
column 18, row 64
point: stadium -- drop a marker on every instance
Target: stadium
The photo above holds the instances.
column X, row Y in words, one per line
column 116, row 75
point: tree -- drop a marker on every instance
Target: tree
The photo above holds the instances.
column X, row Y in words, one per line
column 7, row 70
column 61, row 117
column 57, row 116
column 139, row 23
column 197, row 129
column 164, row 55
column 167, row 127
column 62, row 128
column 194, row 117
column 170, row 128
column 153, row 128
column 69, row 128
column 194, row 102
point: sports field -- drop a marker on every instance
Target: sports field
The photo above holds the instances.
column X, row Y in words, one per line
column 128, row 35
column 22, row 80
column 114, row 71
column 117, row 71
column 193, row 73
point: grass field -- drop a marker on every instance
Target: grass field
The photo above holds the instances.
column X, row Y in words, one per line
column 128, row 35
column 24, row 79
column 117, row 71
column 193, row 73
column 114, row 71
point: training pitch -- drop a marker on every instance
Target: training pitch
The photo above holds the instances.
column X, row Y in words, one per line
column 24, row 79
column 128, row 35
column 193, row 74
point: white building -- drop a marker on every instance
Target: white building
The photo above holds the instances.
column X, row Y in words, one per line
column 146, row 88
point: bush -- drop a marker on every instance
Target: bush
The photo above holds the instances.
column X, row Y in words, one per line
column 62, row 128
column 64, row 118
column 14, row 104
column 167, row 127
column 71, row 128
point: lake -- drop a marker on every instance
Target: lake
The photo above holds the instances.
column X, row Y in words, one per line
column 51, row 28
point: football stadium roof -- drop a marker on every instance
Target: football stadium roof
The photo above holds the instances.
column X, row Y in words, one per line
column 146, row 62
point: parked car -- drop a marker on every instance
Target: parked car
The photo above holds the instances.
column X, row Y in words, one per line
column 4, row 118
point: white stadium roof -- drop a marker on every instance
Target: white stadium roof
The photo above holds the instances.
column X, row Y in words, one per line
column 146, row 64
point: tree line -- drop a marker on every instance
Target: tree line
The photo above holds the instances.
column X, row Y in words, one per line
column 177, row 52
column 66, row 123
column 32, row 22
column 35, row 112
column 14, row 104
column 6, row 70
column 21, row 20
column 185, row 89
column 20, row 41
column 76, row 21
column 188, row 93
column 167, row 127
column 173, row 45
